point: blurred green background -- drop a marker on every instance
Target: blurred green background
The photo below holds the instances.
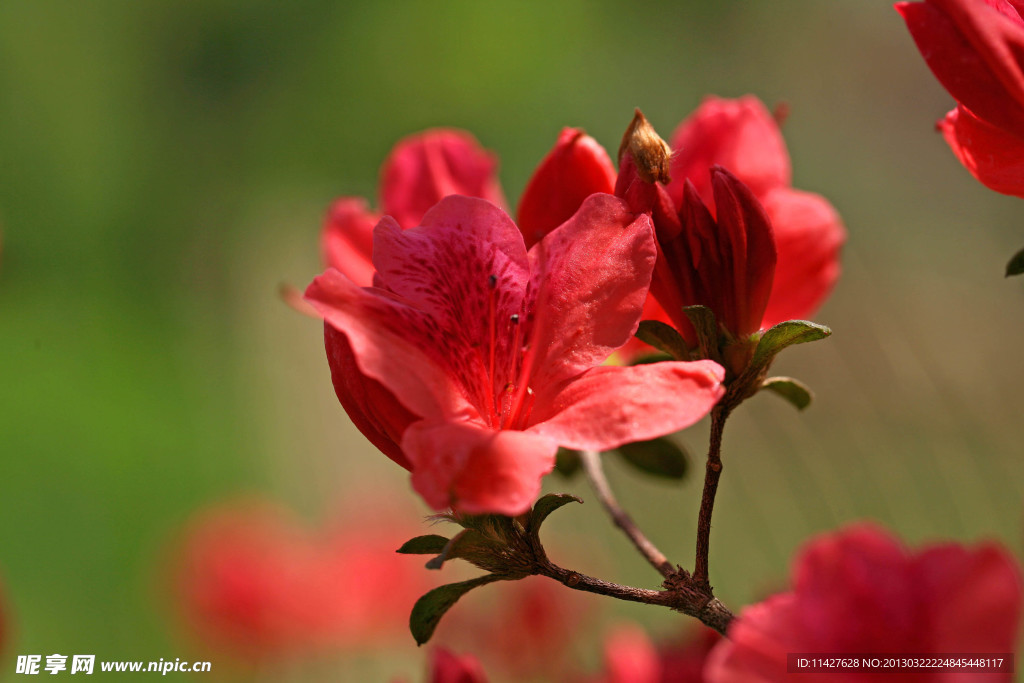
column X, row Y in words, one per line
column 164, row 166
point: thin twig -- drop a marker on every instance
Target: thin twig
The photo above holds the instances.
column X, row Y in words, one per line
column 595, row 473
column 682, row 595
column 712, row 472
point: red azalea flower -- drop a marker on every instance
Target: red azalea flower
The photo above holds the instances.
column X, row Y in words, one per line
column 741, row 136
column 254, row 583
column 861, row 591
column 495, row 351
column 976, row 50
column 419, row 172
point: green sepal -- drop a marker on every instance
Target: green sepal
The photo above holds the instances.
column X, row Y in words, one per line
column 431, row 544
column 1016, row 264
column 792, row 390
column 663, row 337
column 567, row 462
column 545, row 505
column 661, row 457
column 785, row 334
column 470, row 545
column 428, row 610
column 703, row 320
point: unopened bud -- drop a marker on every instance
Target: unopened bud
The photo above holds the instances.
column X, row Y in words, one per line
column 650, row 153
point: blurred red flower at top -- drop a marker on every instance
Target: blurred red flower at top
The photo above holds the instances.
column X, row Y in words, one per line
column 976, row 50
column 421, row 170
column 253, row 582
column 490, row 355
column 861, row 591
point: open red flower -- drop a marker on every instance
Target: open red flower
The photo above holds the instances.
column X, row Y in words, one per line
column 741, row 136
column 861, row 591
column 976, row 50
column 493, row 352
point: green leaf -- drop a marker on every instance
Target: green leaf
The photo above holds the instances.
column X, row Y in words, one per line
column 786, row 334
column 567, row 462
column 1016, row 264
column 428, row 610
column 431, row 544
column 663, row 337
column 661, row 457
column 790, row 389
column 548, row 504
column 703, row 320
column 468, row 544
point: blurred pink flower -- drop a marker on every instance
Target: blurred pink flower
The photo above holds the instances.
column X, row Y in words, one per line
column 975, row 48
column 446, row 667
column 524, row 629
column 489, row 356
column 861, row 591
column 630, row 656
column 254, row 583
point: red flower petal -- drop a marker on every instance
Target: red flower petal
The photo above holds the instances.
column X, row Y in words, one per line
column 374, row 410
column 391, row 344
column 424, row 168
column 740, row 135
column 808, row 238
column 861, row 591
column 347, row 239
column 609, row 406
column 574, row 169
column 994, row 157
column 476, row 469
column 976, row 52
column 590, row 278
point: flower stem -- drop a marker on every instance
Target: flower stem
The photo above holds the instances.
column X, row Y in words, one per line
column 712, row 472
column 595, row 473
column 680, row 594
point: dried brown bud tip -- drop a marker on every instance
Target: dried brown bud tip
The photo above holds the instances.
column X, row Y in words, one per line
column 650, row 153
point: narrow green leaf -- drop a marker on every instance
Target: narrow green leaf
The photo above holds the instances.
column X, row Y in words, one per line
column 428, row 610
column 431, row 544
column 703, row 320
column 792, row 390
column 663, row 337
column 1016, row 264
column 786, row 334
column 470, row 545
column 661, row 457
column 548, row 504
column 567, row 462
